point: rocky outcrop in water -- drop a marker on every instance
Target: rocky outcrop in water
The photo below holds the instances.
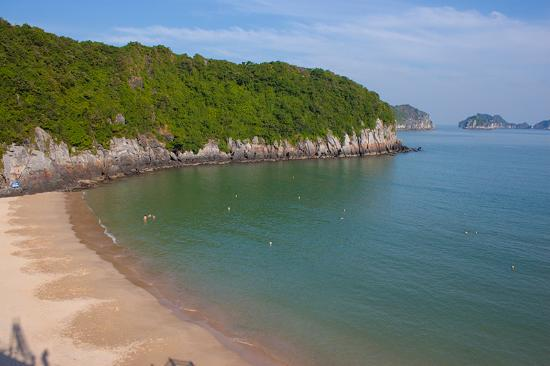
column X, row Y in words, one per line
column 488, row 122
column 48, row 165
column 542, row 125
column 410, row 118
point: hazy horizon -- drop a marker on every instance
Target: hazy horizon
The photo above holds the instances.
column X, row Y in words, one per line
column 451, row 59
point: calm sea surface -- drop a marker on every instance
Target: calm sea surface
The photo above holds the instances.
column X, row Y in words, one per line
column 397, row 260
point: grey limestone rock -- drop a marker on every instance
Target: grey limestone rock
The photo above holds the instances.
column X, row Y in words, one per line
column 49, row 165
column 411, row 118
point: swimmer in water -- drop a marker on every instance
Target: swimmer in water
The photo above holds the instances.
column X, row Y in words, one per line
column 154, row 217
column 144, row 219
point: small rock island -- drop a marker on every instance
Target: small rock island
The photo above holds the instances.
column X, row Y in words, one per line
column 410, row 118
column 489, row 122
column 542, row 125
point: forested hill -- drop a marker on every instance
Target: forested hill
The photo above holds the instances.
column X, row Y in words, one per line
column 85, row 93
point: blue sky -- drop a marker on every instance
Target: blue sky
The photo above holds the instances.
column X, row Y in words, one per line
column 449, row 58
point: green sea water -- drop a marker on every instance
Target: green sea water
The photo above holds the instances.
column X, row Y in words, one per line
column 391, row 260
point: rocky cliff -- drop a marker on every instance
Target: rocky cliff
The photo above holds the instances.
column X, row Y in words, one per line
column 46, row 164
column 542, row 125
column 410, row 118
column 488, row 122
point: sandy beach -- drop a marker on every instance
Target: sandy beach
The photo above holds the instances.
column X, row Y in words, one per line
column 74, row 307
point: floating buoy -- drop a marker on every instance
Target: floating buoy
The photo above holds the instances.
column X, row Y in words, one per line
column 466, row 232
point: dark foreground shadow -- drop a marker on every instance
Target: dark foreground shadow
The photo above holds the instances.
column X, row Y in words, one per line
column 174, row 362
column 19, row 352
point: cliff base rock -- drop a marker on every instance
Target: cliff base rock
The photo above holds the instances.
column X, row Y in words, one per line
column 46, row 164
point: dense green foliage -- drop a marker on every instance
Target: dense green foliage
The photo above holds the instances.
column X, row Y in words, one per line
column 75, row 90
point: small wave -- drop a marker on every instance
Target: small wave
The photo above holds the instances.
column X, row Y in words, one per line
column 242, row 341
column 106, row 231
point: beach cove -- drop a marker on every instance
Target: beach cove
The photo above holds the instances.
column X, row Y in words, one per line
column 385, row 260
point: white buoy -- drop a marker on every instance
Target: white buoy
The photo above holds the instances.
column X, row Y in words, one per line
column 466, row 232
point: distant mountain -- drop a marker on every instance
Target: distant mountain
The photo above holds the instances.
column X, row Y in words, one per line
column 410, row 118
column 488, row 122
column 542, row 125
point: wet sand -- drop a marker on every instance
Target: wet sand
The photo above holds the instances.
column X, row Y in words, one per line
column 75, row 304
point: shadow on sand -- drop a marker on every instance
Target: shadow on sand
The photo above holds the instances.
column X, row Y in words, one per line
column 173, row 362
column 19, row 352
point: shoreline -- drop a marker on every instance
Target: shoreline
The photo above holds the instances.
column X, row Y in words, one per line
column 84, row 184
column 93, row 235
column 96, row 314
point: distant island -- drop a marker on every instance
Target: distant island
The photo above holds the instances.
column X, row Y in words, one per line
column 489, row 122
column 410, row 118
column 542, row 125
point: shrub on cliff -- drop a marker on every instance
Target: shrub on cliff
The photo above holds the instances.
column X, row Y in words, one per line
column 87, row 92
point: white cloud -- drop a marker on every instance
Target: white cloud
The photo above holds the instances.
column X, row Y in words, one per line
column 433, row 57
column 241, row 43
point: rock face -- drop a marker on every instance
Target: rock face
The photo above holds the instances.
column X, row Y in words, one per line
column 410, row 118
column 542, row 125
column 523, row 125
column 48, row 165
column 488, row 122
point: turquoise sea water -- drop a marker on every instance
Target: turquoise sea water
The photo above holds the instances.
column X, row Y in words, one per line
column 394, row 260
